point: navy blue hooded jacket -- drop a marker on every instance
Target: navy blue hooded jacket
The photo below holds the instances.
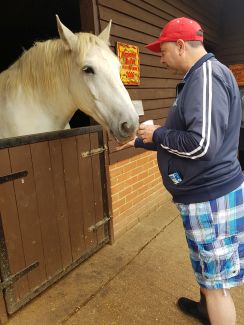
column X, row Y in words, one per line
column 200, row 138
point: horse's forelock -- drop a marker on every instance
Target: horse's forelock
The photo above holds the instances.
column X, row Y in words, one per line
column 84, row 41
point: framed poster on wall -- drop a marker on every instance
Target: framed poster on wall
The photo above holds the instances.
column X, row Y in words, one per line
column 130, row 63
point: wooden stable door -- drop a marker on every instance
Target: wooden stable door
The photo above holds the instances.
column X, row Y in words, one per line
column 55, row 216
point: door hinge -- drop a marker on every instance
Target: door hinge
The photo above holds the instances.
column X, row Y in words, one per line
column 8, row 279
column 13, row 176
column 13, row 278
column 99, row 224
column 93, row 152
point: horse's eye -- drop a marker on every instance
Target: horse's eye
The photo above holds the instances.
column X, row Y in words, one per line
column 88, row 70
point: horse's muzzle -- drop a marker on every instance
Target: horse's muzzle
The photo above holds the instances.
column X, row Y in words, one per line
column 127, row 130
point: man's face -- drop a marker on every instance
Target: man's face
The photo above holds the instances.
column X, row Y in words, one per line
column 170, row 56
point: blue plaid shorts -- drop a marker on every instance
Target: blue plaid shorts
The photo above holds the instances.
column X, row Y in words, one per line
column 215, row 236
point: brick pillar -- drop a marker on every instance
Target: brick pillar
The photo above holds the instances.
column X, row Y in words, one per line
column 136, row 190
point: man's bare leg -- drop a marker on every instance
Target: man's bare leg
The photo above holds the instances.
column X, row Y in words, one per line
column 220, row 306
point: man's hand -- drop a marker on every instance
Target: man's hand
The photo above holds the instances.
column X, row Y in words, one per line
column 129, row 144
column 145, row 132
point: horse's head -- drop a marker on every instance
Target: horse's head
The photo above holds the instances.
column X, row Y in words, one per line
column 95, row 83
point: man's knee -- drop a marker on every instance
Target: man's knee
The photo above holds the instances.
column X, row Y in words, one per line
column 215, row 292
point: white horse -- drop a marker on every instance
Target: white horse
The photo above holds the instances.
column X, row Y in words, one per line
column 41, row 91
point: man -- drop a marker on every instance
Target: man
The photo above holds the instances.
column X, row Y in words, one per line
column 197, row 157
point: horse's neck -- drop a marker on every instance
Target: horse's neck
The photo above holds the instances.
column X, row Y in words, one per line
column 24, row 115
column 56, row 110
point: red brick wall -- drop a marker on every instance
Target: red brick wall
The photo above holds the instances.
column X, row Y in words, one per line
column 136, row 190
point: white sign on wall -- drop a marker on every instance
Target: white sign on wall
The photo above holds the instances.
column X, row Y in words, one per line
column 138, row 106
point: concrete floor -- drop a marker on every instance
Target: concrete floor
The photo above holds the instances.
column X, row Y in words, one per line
column 135, row 281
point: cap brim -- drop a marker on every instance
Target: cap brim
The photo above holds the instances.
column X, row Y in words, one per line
column 154, row 46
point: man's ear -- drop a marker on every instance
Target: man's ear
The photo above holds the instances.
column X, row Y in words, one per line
column 181, row 45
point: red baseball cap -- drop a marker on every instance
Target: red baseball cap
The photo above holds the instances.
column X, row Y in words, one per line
column 178, row 28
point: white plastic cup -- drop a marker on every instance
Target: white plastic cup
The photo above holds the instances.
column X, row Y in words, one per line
column 148, row 122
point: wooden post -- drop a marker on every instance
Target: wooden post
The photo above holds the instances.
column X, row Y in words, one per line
column 3, row 312
column 108, row 190
column 89, row 16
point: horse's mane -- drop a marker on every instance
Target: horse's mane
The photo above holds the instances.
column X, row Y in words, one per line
column 46, row 65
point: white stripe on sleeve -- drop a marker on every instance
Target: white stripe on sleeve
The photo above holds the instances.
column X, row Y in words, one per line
column 206, row 124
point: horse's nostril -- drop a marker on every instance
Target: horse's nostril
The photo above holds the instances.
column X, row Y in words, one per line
column 125, row 127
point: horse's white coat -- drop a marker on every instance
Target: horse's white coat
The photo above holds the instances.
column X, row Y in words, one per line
column 41, row 91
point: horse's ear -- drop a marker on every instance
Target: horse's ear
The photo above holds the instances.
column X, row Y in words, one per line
column 105, row 34
column 66, row 35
